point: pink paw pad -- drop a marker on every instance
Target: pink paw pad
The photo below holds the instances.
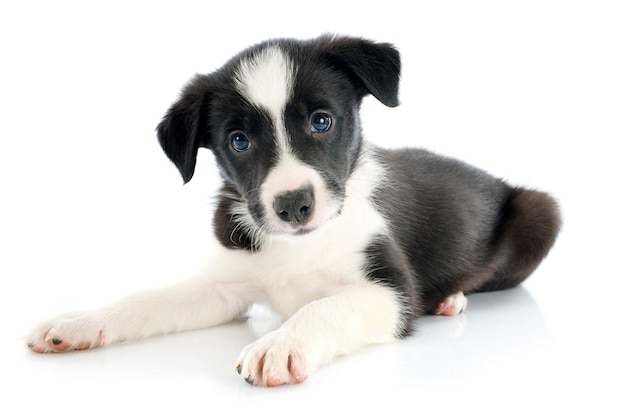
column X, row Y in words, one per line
column 452, row 305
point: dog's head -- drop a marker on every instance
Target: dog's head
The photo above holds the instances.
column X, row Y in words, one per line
column 282, row 120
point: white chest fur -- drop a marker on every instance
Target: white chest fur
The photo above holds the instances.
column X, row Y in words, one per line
column 296, row 270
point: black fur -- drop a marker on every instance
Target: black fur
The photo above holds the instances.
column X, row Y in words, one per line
column 459, row 228
column 452, row 227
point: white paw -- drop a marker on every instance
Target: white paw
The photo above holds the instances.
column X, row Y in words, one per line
column 277, row 358
column 452, row 305
column 68, row 332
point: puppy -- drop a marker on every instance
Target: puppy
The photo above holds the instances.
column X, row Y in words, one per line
column 349, row 242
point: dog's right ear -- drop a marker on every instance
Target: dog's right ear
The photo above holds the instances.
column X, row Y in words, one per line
column 183, row 128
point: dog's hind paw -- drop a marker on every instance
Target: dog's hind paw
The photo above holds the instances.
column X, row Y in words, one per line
column 452, row 305
column 72, row 332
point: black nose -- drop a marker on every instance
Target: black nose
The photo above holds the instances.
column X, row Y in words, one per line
column 294, row 206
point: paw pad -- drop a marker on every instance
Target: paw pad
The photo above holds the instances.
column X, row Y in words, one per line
column 452, row 305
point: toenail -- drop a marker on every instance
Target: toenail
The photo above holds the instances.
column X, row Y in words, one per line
column 56, row 342
column 102, row 338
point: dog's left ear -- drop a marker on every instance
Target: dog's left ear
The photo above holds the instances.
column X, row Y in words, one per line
column 183, row 128
column 376, row 66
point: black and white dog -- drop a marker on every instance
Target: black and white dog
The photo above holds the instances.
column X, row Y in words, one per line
column 349, row 242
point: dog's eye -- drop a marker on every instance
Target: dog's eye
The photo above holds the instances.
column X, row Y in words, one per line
column 320, row 122
column 239, row 142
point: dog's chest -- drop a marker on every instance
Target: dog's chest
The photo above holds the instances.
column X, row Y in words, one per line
column 296, row 274
column 295, row 270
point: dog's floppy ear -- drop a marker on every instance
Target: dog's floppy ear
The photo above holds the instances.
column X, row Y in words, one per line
column 375, row 65
column 183, row 128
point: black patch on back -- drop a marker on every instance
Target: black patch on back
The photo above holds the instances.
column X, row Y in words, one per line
column 443, row 214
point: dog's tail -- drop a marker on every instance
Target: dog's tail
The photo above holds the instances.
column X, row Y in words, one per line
column 531, row 221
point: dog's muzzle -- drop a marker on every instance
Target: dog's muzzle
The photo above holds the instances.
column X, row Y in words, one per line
column 295, row 207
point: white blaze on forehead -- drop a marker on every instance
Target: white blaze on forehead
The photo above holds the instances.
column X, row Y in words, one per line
column 266, row 79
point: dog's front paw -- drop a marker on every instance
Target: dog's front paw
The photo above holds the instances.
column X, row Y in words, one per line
column 66, row 333
column 277, row 358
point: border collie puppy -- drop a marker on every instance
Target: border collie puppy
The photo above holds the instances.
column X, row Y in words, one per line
column 349, row 242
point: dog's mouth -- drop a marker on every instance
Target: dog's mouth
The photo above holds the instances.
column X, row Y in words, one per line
column 298, row 232
column 302, row 230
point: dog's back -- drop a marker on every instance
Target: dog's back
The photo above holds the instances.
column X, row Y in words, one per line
column 463, row 230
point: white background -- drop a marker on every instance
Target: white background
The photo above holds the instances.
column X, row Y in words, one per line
column 91, row 209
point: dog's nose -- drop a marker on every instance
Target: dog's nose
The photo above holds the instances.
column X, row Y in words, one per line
column 294, row 206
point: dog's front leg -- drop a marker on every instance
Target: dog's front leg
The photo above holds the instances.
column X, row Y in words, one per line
column 195, row 303
column 318, row 332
